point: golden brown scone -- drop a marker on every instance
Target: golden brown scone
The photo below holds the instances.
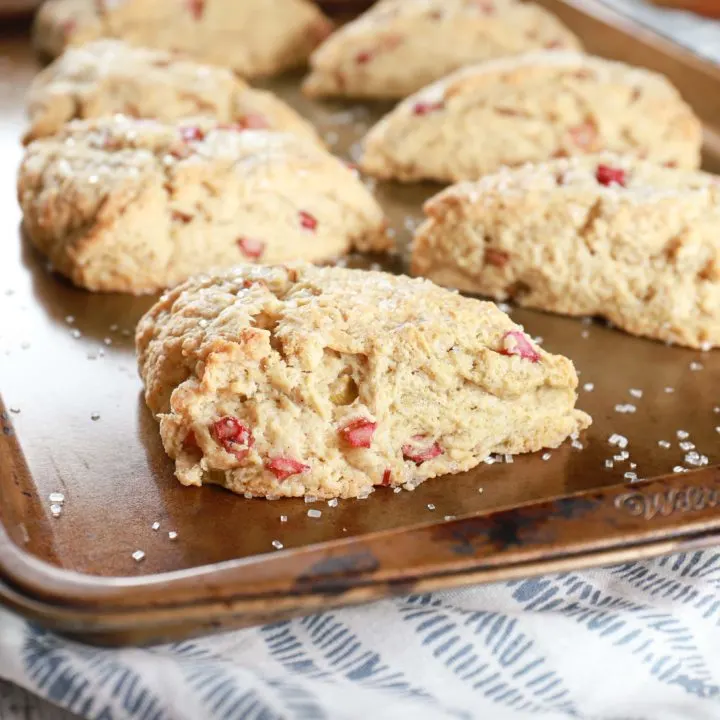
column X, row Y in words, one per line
column 127, row 205
column 532, row 108
column 109, row 77
column 253, row 37
column 299, row 380
column 399, row 46
column 601, row 235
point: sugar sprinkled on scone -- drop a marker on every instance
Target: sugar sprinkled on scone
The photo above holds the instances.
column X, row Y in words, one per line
column 532, row 108
column 601, row 235
column 126, row 205
column 108, row 77
column 291, row 381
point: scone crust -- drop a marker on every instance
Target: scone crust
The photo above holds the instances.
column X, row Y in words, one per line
column 532, row 108
column 399, row 46
column 558, row 236
column 126, row 205
column 253, row 37
column 108, row 77
column 296, row 355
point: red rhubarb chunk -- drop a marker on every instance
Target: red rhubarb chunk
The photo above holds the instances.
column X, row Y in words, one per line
column 485, row 6
column 190, row 442
column 255, row 121
column 607, row 175
column 250, row 248
column 191, row 133
column 359, row 433
column 517, row 343
column 363, row 57
column 419, row 451
column 196, row 8
column 283, row 467
column 235, row 438
column 425, row 108
column 308, row 221
column 387, row 478
column 497, row 258
column 68, row 27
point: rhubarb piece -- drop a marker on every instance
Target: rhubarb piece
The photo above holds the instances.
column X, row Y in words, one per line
column 518, row 343
column 192, row 133
column 359, row 433
column 598, row 235
column 531, row 108
column 607, row 175
column 419, row 451
column 250, row 248
column 284, row 467
column 196, row 8
column 347, row 379
column 235, row 438
column 425, row 108
column 308, row 221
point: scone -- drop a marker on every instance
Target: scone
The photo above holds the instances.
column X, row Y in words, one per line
column 127, row 205
column 611, row 236
column 299, row 380
column 529, row 109
column 108, row 77
column 399, row 46
column 253, row 37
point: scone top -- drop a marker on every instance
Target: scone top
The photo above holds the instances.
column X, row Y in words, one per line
column 253, row 37
column 107, row 77
column 127, row 205
column 398, row 46
column 532, row 108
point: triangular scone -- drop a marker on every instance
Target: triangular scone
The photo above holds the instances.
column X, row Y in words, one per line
column 601, row 235
column 129, row 205
column 530, row 109
column 253, row 37
column 299, row 380
column 399, row 46
column 109, row 77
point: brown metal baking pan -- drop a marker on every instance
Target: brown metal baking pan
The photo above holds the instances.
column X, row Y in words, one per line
column 72, row 421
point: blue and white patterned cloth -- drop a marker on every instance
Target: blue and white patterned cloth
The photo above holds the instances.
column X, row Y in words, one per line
column 639, row 641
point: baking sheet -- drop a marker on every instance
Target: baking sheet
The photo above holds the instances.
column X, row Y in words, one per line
column 72, row 400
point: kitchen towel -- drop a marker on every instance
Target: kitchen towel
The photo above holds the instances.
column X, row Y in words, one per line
column 638, row 641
